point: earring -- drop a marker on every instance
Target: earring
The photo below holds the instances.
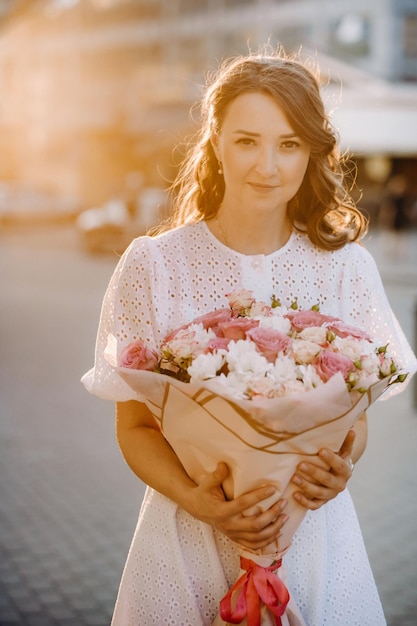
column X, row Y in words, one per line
column 220, row 170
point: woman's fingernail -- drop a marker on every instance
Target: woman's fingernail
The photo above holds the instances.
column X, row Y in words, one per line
column 270, row 491
column 297, row 480
column 304, row 467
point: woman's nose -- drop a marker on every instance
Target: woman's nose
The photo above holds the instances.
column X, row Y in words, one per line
column 267, row 162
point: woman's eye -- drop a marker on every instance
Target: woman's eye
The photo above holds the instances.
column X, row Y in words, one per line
column 290, row 145
column 246, row 141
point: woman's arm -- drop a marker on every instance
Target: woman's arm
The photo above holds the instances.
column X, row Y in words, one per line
column 153, row 460
column 317, row 486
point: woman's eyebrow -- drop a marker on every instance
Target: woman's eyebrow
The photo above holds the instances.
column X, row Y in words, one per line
column 246, row 132
column 252, row 134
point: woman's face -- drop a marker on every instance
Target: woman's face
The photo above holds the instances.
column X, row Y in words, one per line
column 263, row 159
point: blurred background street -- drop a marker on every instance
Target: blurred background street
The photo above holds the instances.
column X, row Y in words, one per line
column 95, row 101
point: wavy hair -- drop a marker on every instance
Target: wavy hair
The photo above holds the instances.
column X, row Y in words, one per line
column 323, row 206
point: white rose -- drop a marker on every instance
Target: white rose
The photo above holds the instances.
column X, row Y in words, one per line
column 364, row 380
column 370, row 363
column 262, row 386
column 352, row 348
column 316, row 334
column 305, row 351
column 260, row 309
column 241, row 300
column 385, row 365
column 189, row 342
column 293, row 386
column 181, row 347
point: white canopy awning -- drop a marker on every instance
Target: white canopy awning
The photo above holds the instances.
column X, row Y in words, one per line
column 371, row 115
column 374, row 129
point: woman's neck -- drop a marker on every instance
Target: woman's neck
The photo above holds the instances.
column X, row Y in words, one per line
column 254, row 236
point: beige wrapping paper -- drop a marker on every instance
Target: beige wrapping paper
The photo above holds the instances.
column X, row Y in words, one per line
column 262, row 441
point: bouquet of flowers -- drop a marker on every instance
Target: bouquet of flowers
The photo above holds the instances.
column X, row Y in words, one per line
column 260, row 387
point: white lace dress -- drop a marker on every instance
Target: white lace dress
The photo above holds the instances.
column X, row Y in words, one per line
column 178, row 568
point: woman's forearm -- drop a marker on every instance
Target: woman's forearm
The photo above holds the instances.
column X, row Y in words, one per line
column 153, row 460
column 150, row 456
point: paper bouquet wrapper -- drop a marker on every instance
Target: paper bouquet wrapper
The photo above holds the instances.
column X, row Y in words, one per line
column 262, row 441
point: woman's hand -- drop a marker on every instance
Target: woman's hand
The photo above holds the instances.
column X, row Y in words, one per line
column 317, row 485
column 142, row 442
column 254, row 531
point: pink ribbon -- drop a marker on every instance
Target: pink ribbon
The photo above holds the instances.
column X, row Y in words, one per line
column 258, row 584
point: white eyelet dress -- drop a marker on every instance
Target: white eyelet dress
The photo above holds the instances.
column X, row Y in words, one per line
column 179, row 568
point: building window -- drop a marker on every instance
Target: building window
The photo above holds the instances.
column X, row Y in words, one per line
column 410, row 36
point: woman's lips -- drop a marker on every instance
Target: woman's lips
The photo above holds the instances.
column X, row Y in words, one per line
column 263, row 188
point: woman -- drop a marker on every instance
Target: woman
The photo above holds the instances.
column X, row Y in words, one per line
column 260, row 204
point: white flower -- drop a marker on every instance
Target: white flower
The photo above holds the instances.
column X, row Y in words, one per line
column 284, row 369
column 293, row 386
column 352, row 348
column 202, row 336
column 260, row 310
column 370, row 363
column 317, row 334
column 262, row 386
column 242, row 357
column 363, row 379
column 239, row 365
column 241, row 300
column 305, row 351
column 235, row 383
column 206, row 366
column 276, row 322
column 189, row 342
column 310, row 377
column 385, row 366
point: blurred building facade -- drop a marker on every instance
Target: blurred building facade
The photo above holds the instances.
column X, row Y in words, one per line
column 96, row 93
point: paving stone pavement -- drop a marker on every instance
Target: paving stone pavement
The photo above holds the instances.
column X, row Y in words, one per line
column 68, row 502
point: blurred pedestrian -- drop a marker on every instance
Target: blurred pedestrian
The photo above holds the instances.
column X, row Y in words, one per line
column 397, row 215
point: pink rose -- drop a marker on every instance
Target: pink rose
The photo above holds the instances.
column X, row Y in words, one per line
column 214, row 318
column 237, row 328
column 240, row 301
column 220, row 343
column 305, row 319
column 329, row 363
column 175, row 332
column 137, row 356
column 344, row 330
column 208, row 320
column 269, row 342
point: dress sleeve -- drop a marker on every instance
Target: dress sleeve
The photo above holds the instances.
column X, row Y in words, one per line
column 128, row 313
column 369, row 308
